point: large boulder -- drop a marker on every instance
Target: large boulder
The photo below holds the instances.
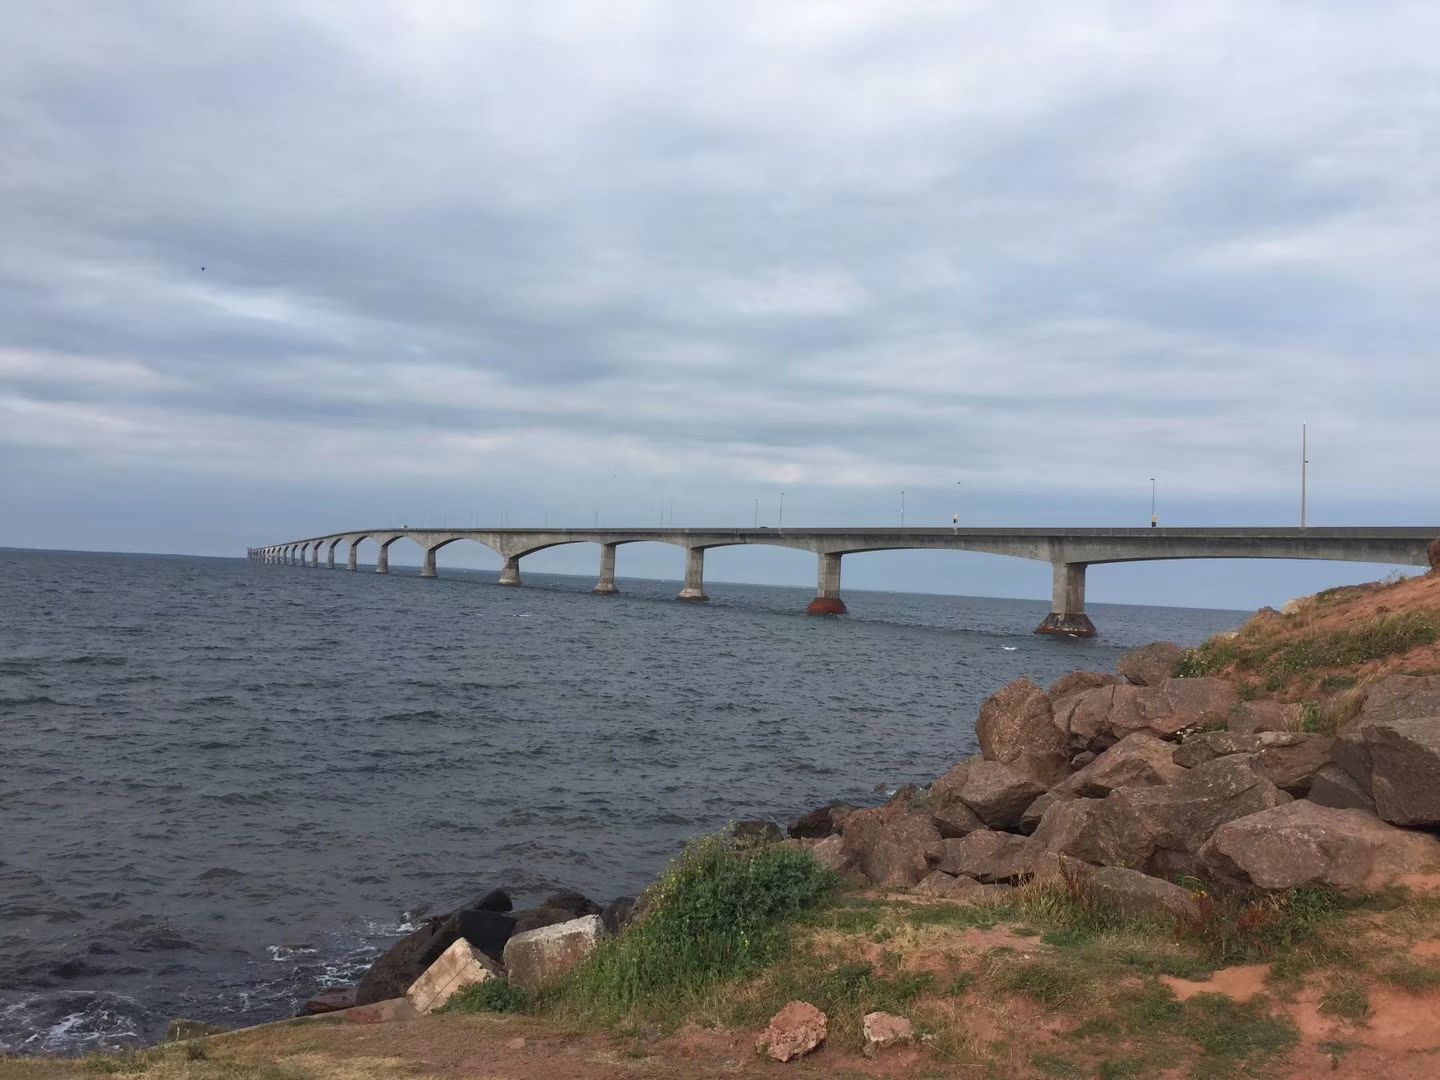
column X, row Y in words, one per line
column 1101, row 717
column 1016, row 727
column 1151, row 665
column 940, row 884
column 1138, row 760
column 1157, row 828
column 890, row 846
column 1289, row 758
column 1180, row 817
column 1302, row 843
column 996, row 793
column 1392, row 748
column 1138, row 896
column 1082, row 829
column 1433, row 554
column 1405, row 770
column 460, row 966
column 1076, row 681
column 821, row 822
column 955, row 819
column 1251, row 717
column 538, row 958
column 987, row 857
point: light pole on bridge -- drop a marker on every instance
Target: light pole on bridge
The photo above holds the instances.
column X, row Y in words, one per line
column 1153, row 521
column 902, row 508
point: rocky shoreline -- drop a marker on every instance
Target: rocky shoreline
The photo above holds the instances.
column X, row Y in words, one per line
column 1152, row 788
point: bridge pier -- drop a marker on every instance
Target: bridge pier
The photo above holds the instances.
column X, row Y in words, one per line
column 382, row 561
column 694, row 590
column 330, row 556
column 827, row 589
column 1067, row 616
column 606, row 585
column 427, row 569
column 352, row 562
column 315, row 557
column 510, row 573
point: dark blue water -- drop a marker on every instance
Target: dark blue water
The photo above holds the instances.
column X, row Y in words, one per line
column 223, row 785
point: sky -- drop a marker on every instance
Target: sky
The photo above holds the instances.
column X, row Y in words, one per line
column 288, row 267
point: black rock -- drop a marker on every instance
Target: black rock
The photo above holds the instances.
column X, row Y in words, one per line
column 398, row 966
column 486, row 930
column 618, row 914
column 821, row 822
column 544, row 915
column 573, row 902
column 494, row 900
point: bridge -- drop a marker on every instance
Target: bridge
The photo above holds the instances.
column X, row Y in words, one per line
column 1069, row 551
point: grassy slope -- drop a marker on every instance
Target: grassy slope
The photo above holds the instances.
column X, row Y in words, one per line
column 1323, row 651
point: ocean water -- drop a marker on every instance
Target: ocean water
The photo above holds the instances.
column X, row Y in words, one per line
column 224, row 785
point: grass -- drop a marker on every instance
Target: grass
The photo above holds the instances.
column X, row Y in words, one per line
column 1413, row 976
column 1276, row 658
column 718, row 914
column 493, row 995
column 1346, row 1001
column 1231, row 1034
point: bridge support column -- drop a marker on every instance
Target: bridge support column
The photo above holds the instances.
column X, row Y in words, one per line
column 1067, row 616
column 827, row 589
column 694, row 590
column 330, row 557
column 427, row 569
column 353, row 561
column 315, row 557
column 606, row 585
column 382, row 561
column 510, row 574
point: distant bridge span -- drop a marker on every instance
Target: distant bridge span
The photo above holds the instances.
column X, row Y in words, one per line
column 1069, row 551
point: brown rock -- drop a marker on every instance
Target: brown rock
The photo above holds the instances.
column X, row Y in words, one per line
column 1087, row 716
column 996, row 793
column 822, row 822
column 1080, row 760
column 1030, row 820
column 1334, row 787
column 1302, row 843
column 1151, row 665
column 1138, row 896
column 1081, row 829
column 380, row 1012
column 884, row 1029
column 331, row 999
column 1181, row 816
column 1016, row 727
column 1077, row 681
column 1146, row 828
column 955, row 820
column 1177, row 704
column 889, row 845
column 1289, row 758
column 796, row 1029
column 1433, row 551
column 1396, row 697
column 1405, row 770
column 1140, row 759
column 988, row 857
column 1251, row 717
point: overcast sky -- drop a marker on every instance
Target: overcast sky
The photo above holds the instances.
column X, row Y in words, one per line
column 280, row 268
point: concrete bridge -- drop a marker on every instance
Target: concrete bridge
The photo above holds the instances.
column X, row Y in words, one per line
column 1069, row 551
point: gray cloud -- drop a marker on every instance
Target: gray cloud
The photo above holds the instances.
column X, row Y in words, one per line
column 509, row 254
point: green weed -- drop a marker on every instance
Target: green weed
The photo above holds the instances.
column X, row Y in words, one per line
column 493, row 995
column 717, row 914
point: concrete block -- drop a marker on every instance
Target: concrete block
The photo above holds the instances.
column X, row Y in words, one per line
column 459, row 966
column 538, row 957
